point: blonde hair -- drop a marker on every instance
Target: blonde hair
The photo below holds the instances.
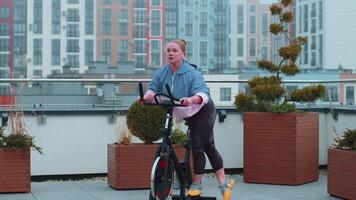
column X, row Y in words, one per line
column 182, row 44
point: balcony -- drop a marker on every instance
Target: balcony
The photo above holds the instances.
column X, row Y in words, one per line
column 73, row 120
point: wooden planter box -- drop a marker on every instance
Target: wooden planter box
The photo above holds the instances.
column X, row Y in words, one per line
column 281, row 148
column 129, row 166
column 342, row 173
column 15, row 170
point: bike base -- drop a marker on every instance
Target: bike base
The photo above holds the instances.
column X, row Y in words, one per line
column 176, row 197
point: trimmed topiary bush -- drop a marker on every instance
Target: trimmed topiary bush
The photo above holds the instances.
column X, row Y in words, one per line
column 146, row 121
column 178, row 137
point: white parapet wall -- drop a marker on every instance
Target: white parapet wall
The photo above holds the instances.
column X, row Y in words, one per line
column 77, row 144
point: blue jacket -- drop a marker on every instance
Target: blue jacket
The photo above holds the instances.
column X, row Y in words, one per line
column 186, row 82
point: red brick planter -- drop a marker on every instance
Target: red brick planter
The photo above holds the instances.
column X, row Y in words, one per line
column 15, row 170
column 281, row 148
column 129, row 166
column 342, row 173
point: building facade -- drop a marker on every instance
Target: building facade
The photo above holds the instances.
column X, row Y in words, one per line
column 328, row 26
column 60, row 33
column 250, row 38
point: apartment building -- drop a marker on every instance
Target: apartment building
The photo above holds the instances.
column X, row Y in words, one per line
column 250, row 38
column 60, row 33
column 329, row 26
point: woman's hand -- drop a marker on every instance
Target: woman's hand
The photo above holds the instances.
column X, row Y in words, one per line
column 148, row 97
column 186, row 101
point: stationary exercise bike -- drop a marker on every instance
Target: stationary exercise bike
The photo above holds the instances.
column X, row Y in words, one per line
column 166, row 166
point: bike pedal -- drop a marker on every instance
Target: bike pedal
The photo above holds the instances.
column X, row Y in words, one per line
column 176, row 197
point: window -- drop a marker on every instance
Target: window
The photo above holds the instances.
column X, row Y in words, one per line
column 321, row 50
column 240, row 47
column 189, row 50
column 156, row 2
column 140, row 61
column 189, row 3
column 225, row 94
column 289, row 90
column 240, row 19
column 4, row 60
column 106, row 50
column 140, row 16
column 313, row 59
column 73, row 60
column 188, row 23
column 305, row 56
column 4, row 12
column 332, row 90
column 123, row 22
column 56, row 52
column 72, row 1
column 140, row 31
column 140, row 3
column 37, row 73
column 156, row 23
column 73, row 15
column 106, row 22
column 264, row 53
column 37, row 16
column 140, row 46
column 252, row 47
column 89, row 17
column 305, row 18
column 265, row 27
column 203, row 53
column 203, row 3
column 156, row 52
column 37, row 52
column 106, row 1
column 89, row 51
column 252, row 24
column 56, row 16
column 123, row 49
column 203, row 29
column 4, row 29
column 252, row 8
column 73, row 46
column 313, row 26
column 313, row 43
column 350, row 95
column 73, row 30
column 123, row 2
column 4, row 45
column 320, row 16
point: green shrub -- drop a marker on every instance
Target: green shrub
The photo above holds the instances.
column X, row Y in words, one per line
column 347, row 141
column 146, row 121
column 178, row 137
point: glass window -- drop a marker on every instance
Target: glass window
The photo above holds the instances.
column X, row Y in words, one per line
column 106, row 22
column 37, row 16
column 106, row 1
column 4, row 44
column 203, row 53
column 203, row 28
column 123, row 2
column 320, row 16
column 240, row 19
column 140, row 46
column 240, row 47
column 252, row 8
column 123, row 22
column 89, row 51
column 188, row 23
column 89, row 17
column 56, row 52
column 203, row 3
column 264, row 53
column 4, row 12
column 189, row 50
column 350, row 95
column 73, row 30
column 156, row 52
column 305, row 18
column 225, row 94
column 252, row 47
column 156, row 23
column 106, row 50
column 4, row 29
column 73, row 15
column 37, row 52
column 156, row 2
column 334, row 94
column 123, row 49
column 189, row 3
column 252, row 24
column 72, row 1
column 73, row 45
column 73, row 60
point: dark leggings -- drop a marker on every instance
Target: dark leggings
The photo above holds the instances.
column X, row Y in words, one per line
column 202, row 136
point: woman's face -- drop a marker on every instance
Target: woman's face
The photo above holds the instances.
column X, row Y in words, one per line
column 174, row 53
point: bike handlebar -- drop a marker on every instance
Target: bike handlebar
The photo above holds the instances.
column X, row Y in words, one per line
column 172, row 100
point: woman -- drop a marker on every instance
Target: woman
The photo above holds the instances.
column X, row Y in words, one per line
column 188, row 85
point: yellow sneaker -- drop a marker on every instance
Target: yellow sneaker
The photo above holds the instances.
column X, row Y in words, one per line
column 195, row 190
column 226, row 189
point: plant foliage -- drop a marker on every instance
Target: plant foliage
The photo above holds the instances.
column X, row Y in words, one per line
column 347, row 141
column 268, row 94
column 178, row 137
column 145, row 121
column 18, row 138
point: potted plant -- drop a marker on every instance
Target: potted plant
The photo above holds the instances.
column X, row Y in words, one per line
column 341, row 166
column 280, row 143
column 15, row 155
column 129, row 164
